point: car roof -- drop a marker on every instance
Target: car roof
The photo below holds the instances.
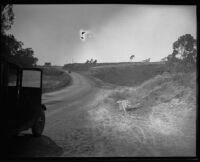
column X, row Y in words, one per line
column 14, row 63
column 10, row 60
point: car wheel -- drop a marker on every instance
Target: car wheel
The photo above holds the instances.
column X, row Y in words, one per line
column 38, row 126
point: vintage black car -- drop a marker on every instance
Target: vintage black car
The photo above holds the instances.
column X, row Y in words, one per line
column 21, row 93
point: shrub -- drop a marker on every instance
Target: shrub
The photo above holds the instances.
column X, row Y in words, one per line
column 183, row 58
column 52, row 71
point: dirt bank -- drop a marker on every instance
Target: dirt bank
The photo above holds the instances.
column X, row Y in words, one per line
column 55, row 79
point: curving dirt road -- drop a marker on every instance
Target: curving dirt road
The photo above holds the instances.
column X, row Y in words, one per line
column 67, row 118
column 77, row 95
column 82, row 123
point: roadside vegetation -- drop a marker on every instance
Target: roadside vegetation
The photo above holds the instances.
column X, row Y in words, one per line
column 54, row 79
column 160, row 121
column 127, row 74
column 160, row 118
column 11, row 48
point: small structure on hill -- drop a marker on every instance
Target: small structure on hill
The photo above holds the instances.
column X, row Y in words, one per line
column 146, row 60
column 47, row 64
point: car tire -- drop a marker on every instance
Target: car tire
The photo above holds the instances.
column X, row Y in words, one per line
column 38, row 126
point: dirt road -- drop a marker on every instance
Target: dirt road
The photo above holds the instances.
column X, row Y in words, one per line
column 78, row 94
column 80, row 121
column 67, row 114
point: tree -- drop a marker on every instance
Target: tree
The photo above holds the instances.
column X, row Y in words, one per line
column 184, row 48
column 184, row 52
column 87, row 62
column 164, row 59
column 95, row 61
column 91, row 61
column 147, row 60
column 26, row 57
column 7, row 20
column 131, row 57
column 10, row 47
column 7, row 17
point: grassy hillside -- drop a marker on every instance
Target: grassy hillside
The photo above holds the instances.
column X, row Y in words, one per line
column 160, row 118
column 54, row 79
column 127, row 74
column 86, row 67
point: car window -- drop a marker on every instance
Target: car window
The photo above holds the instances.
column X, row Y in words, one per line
column 12, row 77
column 31, row 78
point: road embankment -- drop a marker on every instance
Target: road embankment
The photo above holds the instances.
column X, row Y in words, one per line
column 160, row 119
column 127, row 74
column 54, row 79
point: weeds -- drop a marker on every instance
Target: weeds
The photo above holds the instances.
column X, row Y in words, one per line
column 54, row 79
column 127, row 75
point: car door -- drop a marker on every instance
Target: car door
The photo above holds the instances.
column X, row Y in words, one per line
column 30, row 96
column 11, row 91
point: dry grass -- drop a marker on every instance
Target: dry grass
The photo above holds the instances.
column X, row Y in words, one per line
column 127, row 75
column 164, row 124
column 54, row 79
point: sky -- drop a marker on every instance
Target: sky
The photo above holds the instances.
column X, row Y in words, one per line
column 112, row 32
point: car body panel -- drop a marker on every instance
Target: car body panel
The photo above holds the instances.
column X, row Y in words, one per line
column 22, row 103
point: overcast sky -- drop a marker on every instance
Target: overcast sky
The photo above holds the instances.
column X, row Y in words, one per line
column 115, row 31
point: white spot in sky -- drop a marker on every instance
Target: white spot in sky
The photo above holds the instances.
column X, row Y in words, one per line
column 85, row 34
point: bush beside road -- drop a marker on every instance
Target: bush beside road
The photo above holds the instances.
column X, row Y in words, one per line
column 54, row 79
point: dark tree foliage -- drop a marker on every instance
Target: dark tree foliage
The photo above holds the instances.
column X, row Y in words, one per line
column 7, row 17
column 91, row 61
column 131, row 57
column 10, row 47
column 87, row 62
column 95, row 61
column 184, row 54
column 26, row 57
